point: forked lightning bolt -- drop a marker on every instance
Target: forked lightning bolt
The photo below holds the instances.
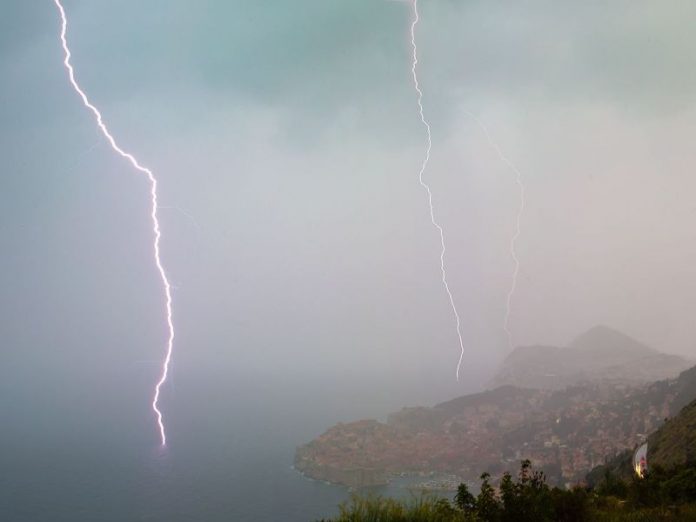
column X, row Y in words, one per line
column 153, row 214
column 424, row 165
column 518, row 225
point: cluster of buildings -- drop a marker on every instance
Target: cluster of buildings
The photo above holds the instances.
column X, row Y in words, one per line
column 564, row 432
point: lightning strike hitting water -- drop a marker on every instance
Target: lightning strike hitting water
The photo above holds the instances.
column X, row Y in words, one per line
column 424, row 165
column 153, row 215
column 518, row 225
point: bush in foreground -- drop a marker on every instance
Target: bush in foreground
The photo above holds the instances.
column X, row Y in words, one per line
column 660, row 496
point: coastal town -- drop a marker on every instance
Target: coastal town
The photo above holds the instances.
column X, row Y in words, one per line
column 563, row 432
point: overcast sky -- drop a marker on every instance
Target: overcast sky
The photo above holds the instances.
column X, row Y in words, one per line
column 286, row 139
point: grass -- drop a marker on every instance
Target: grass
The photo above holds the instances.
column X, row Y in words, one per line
column 417, row 509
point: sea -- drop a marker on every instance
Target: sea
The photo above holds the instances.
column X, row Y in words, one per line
column 75, row 454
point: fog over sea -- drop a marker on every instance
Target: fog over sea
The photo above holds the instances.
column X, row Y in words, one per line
column 231, row 447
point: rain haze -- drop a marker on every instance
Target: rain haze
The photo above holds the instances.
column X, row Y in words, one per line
column 286, row 140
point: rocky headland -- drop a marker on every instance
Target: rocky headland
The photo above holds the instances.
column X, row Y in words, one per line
column 566, row 432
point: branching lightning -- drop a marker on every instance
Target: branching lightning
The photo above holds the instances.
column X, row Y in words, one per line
column 153, row 214
column 518, row 225
column 424, row 165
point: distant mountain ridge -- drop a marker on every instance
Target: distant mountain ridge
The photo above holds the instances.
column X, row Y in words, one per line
column 600, row 354
column 602, row 396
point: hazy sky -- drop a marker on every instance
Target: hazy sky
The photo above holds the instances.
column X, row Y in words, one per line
column 287, row 135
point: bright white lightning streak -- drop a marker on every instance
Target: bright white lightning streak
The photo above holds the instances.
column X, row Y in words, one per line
column 416, row 18
column 518, row 225
column 153, row 214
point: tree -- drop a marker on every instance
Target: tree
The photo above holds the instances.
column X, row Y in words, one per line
column 487, row 505
column 528, row 499
column 464, row 500
column 570, row 505
column 612, row 485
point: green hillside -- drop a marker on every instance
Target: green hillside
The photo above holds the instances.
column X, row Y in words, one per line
column 675, row 442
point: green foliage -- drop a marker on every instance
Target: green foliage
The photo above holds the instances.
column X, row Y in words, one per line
column 619, row 467
column 668, row 514
column 644, row 492
column 487, row 506
column 464, row 500
column 680, row 486
column 661, row 487
column 659, row 496
column 570, row 505
column 612, row 486
column 379, row 509
column 675, row 442
column 528, row 499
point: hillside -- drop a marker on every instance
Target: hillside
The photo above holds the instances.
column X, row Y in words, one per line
column 675, row 442
column 564, row 432
column 600, row 354
column 672, row 445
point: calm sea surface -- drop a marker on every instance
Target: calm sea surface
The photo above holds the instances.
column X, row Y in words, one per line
column 75, row 456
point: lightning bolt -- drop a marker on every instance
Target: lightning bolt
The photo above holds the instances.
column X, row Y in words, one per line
column 424, row 165
column 153, row 214
column 518, row 224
